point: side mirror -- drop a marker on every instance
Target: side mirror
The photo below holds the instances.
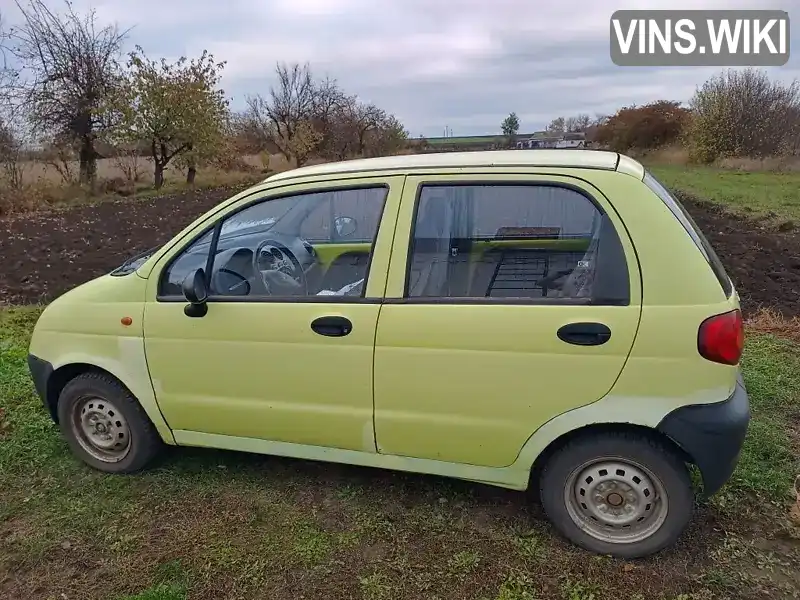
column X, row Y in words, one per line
column 344, row 226
column 195, row 291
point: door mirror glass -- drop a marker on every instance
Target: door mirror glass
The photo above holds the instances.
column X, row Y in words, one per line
column 344, row 226
column 194, row 287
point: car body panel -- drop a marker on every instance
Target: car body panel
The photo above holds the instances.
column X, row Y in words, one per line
column 643, row 411
column 83, row 327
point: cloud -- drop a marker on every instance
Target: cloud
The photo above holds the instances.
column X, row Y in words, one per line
column 434, row 63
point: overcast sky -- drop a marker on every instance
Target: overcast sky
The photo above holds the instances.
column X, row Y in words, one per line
column 434, row 63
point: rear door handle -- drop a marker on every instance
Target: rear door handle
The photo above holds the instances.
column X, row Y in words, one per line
column 332, row 326
column 584, row 334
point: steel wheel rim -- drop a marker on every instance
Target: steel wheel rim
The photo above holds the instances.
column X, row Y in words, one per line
column 616, row 500
column 101, row 429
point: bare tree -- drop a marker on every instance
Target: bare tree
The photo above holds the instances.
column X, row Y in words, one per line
column 348, row 129
column 73, row 66
column 11, row 158
column 8, row 74
column 304, row 117
column 129, row 163
column 556, row 125
column 60, row 154
column 578, row 123
column 288, row 112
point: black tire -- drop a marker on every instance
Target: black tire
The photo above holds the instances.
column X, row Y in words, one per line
column 144, row 442
column 638, row 451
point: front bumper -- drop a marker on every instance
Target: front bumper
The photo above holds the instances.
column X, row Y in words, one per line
column 712, row 435
column 41, row 370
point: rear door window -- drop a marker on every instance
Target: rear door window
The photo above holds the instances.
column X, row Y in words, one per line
column 499, row 242
column 693, row 230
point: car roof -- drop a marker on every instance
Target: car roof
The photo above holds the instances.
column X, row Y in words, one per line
column 568, row 158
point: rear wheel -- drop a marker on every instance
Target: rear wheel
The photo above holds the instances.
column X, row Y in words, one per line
column 105, row 426
column 622, row 494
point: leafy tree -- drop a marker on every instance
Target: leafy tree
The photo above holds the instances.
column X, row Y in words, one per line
column 73, row 69
column 389, row 137
column 176, row 108
column 303, row 142
column 510, row 125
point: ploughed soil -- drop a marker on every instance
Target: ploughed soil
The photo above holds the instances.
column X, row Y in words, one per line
column 45, row 254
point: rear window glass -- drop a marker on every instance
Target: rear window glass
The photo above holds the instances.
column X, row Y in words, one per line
column 693, row 230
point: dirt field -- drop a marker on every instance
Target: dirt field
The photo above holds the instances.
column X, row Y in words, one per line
column 45, row 254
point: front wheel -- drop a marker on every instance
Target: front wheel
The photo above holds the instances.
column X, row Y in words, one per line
column 105, row 426
column 621, row 494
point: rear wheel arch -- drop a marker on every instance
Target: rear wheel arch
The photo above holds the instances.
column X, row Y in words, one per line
column 620, row 491
column 601, row 428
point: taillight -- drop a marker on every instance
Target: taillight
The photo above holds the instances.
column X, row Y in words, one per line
column 721, row 338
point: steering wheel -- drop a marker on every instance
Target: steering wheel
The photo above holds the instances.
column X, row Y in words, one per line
column 279, row 268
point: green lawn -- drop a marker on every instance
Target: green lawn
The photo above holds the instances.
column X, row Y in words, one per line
column 756, row 193
column 207, row 524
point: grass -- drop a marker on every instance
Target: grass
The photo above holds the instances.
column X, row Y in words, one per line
column 754, row 193
column 208, row 524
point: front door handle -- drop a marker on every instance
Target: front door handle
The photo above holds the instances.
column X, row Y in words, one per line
column 584, row 334
column 332, row 326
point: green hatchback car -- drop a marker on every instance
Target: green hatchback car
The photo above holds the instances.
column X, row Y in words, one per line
column 546, row 319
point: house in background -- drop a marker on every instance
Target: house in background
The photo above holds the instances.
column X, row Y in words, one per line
column 550, row 139
column 537, row 139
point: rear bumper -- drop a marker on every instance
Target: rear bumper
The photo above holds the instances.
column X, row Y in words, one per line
column 41, row 370
column 712, row 435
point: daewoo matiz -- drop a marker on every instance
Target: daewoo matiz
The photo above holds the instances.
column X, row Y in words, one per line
column 534, row 318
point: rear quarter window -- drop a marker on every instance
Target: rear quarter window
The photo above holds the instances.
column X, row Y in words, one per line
column 694, row 232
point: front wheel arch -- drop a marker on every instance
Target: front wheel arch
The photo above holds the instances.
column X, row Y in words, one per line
column 61, row 377
column 105, row 425
column 66, row 373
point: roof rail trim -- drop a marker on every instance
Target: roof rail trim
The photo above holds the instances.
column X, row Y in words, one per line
column 544, row 158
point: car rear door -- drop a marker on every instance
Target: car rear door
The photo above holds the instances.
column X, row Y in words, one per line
column 510, row 299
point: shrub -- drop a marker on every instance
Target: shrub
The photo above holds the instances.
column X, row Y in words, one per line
column 743, row 114
column 642, row 128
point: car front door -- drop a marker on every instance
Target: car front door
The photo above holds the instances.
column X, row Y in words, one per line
column 284, row 352
column 510, row 299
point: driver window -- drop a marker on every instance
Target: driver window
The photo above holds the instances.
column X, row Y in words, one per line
column 272, row 248
column 344, row 216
